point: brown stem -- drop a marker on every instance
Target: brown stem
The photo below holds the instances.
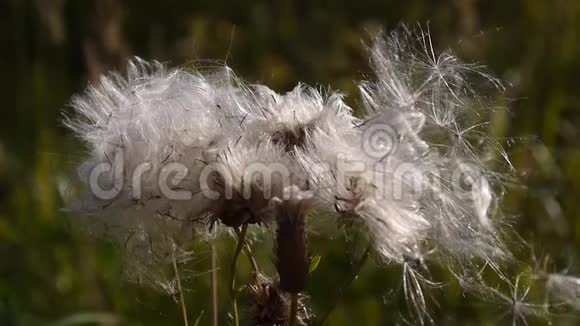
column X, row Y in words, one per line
column 233, row 268
column 292, row 261
column 248, row 252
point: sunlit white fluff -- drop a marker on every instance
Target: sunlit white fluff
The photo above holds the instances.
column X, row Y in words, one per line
column 289, row 119
column 428, row 102
column 345, row 182
column 153, row 116
column 138, row 125
column 414, row 170
column 246, row 175
column 425, row 186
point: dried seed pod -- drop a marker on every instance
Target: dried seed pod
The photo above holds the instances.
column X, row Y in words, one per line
column 291, row 138
column 270, row 305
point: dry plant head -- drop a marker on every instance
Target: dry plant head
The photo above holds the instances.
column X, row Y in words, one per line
column 172, row 152
column 270, row 305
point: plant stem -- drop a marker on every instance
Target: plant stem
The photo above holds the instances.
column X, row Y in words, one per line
column 234, row 266
column 293, row 309
column 214, row 285
column 181, row 296
column 354, row 274
column 250, row 255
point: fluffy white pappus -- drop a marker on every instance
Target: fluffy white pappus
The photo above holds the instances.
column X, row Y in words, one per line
column 517, row 302
column 564, row 289
column 414, row 171
column 151, row 118
column 290, row 118
column 151, row 105
column 434, row 97
column 153, row 264
column 148, row 236
column 245, row 177
column 147, row 133
column 430, row 106
column 425, row 140
column 344, row 181
column 413, row 75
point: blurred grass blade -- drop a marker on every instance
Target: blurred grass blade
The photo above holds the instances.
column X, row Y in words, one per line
column 198, row 319
column 88, row 318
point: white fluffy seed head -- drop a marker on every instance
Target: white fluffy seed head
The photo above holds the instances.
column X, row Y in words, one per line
column 428, row 102
column 143, row 130
column 414, row 171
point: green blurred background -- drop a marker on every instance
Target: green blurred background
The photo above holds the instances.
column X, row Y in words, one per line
column 50, row 49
